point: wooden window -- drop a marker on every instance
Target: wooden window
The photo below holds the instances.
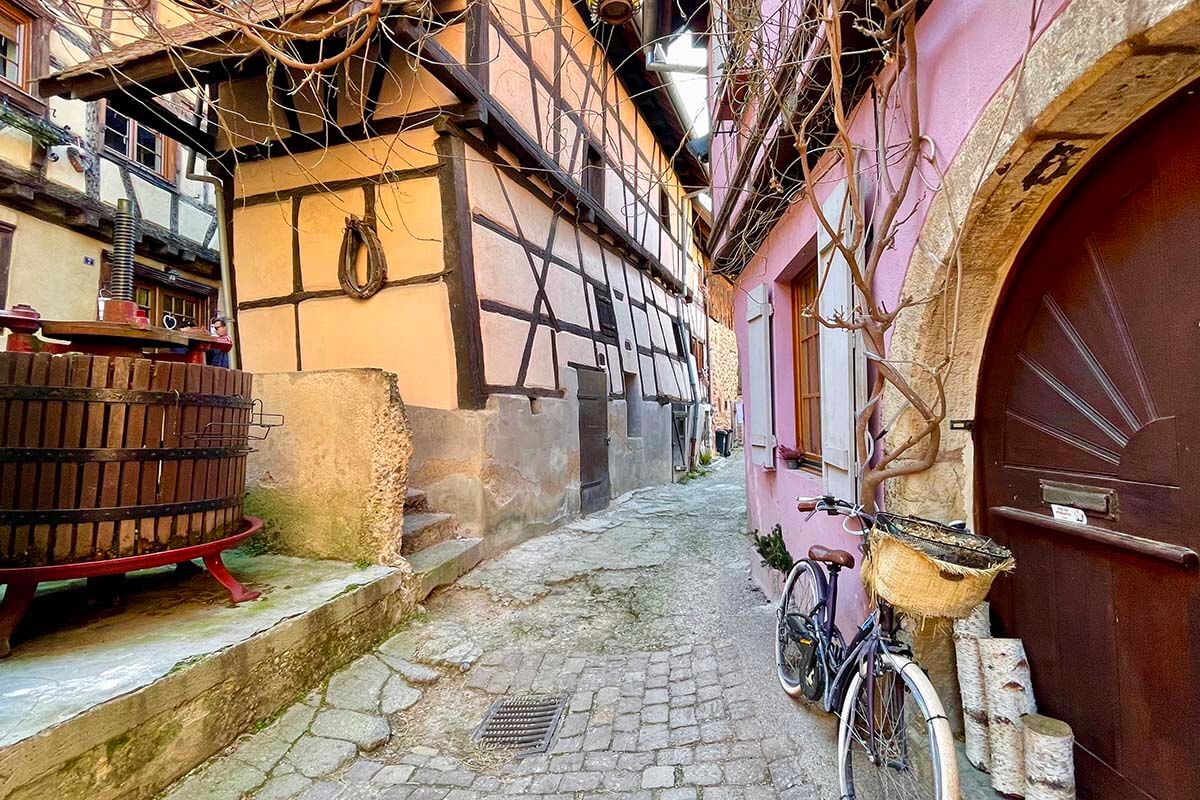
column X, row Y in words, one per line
column 593, row 174
column 141, row 145
column 22, row 54
column 161, row 294
column 6, row 237
column 185, row 307
column 664, row 210
column 806, row 350
column 681, row 338
column 14, row 37
column 606, row 317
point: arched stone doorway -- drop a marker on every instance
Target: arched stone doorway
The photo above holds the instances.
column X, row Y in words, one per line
column 1097, row 69
column 1092, row 409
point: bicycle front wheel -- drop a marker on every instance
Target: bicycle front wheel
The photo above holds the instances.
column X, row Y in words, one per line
column 894, row 742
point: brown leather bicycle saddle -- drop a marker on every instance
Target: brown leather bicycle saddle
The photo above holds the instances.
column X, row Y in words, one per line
column 839, row 557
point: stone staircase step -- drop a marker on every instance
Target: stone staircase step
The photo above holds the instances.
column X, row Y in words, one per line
column 444, row 563
column 414, row 501
column 426, row 528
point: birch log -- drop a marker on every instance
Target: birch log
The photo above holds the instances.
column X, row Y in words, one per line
column 967, row 633
column 1009, row 696
column 1049, row 759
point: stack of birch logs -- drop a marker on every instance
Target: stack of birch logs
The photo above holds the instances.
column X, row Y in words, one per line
column 1027, row 754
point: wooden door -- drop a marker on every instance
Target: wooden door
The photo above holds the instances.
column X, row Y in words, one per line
column 594, row 489
column 1089, row 399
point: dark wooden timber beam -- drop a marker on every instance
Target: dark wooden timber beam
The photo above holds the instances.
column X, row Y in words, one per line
column 498, row 122
column 650, row 93
column 141, row 106
column 159, row 73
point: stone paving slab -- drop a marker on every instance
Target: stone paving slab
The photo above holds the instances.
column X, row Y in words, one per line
column 642, row 616
column 163, row 625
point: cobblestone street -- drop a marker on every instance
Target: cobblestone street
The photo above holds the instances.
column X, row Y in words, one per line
column 644, row 615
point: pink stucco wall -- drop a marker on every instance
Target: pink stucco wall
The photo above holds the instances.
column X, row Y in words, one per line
column 967, row 49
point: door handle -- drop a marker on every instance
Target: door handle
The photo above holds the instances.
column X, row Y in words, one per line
column 608, row 440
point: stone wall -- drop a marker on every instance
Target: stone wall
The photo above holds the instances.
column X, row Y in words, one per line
column 726, row 381
column 330, row 483
column 511, row 470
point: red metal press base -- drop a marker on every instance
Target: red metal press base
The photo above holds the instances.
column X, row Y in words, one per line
column 22, row 582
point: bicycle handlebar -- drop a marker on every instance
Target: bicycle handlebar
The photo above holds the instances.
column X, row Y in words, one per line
column 834, row 507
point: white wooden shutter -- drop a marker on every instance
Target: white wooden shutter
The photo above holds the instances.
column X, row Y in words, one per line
column 843, row 360
column 761, row 424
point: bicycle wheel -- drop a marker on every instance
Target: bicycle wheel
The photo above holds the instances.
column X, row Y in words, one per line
column 797, row 656
column 911, row 755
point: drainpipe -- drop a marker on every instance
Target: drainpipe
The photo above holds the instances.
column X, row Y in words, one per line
column 222, row 238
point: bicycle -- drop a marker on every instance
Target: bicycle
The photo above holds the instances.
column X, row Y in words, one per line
column 894, row 740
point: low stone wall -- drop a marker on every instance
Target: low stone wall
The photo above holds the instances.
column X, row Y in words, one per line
column 135, row 745
column 330, row 482
column 511, row 470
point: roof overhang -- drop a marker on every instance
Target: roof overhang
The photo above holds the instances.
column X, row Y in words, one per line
column 204, row 52
column 650, row 92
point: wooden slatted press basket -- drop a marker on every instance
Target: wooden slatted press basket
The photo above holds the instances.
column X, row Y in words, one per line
column 106, row 458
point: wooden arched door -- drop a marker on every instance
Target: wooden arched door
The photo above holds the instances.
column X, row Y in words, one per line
column 1089, row 399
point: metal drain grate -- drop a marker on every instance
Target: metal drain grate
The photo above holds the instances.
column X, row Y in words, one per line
column 524, row 724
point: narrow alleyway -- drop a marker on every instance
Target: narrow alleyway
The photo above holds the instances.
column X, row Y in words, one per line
column 643, row 614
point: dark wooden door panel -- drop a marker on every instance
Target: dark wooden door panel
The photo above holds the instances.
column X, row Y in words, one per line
column 594, row 489
column 1090, row 379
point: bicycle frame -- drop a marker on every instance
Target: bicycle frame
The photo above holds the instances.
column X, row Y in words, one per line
column 874, row 636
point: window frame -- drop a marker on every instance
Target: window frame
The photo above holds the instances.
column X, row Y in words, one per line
column 593, row 172
column 606, row 315
column 158, row 284
column 806, row 364
column 32, row 56
column 7, row 231
column 166, row 169
column 664, row 211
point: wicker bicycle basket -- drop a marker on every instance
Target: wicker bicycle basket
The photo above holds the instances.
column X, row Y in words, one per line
column 926, row 569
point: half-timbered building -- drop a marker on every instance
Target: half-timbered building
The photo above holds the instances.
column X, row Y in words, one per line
column 63, row 166
column 495, row 203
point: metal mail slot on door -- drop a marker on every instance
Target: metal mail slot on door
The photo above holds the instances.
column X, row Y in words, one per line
column 1096, row 499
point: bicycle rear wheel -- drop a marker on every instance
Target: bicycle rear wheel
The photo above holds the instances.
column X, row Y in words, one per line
column 911, row 754
column 797, row 655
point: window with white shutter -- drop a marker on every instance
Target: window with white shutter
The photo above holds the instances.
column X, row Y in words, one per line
column 761, row 422
column 843, row 361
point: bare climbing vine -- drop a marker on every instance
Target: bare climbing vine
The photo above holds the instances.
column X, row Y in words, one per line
column 840, row 60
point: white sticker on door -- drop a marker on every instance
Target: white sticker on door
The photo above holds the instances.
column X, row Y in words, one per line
column 1069, row 514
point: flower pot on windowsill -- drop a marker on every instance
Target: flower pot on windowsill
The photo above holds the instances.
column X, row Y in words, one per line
column 791, row 458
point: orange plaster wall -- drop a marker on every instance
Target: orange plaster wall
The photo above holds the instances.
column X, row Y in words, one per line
column 407, row 150
column 268, row 337
column 402, row 329
column 262, row 248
